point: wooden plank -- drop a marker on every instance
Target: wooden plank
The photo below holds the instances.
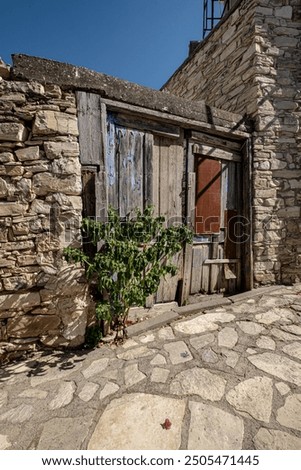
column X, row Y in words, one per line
column 232, row 284
column 101, row 190
column 221, row 261
column 130, row 154
column 164, row 194
column 170, row 283
column 238, row 277
column 111, row 164
column 208, row 195
column 179, row 179
column 156, row 175
column 228, row 272
column 214, row 269
column 205, row 271
column 88, row 182
column 247, row 251
column 89, row 125
column 224, row 191
column 135, row 184
column 216, row 153
column 187, row 270
column 185, row 123
column 215, row 142
column 233, row 190
column 196, row 272
column 148, row 171
column 170, row 205
column 89, row 174
column 124, row 174
column 173, row 185
column 103, row 130
column 239, row 246
column 156, row 127
column 221, row 278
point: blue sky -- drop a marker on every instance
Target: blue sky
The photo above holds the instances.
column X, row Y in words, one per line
column 143, row 41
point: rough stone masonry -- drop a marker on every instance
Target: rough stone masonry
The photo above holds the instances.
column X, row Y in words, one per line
column 251, row 64
column 40, row 213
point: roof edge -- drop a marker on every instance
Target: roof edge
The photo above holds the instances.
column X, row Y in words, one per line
column 79, row 78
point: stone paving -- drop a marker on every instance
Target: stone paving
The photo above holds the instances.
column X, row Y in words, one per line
column 225, row 378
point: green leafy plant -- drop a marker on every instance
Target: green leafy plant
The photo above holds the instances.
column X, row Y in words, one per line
column 132, row 257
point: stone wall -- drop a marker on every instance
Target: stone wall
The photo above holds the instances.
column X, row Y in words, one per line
column 251, row 64
column 42, row 298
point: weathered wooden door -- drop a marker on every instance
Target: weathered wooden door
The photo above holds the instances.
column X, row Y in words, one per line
column 216, row 207
column 128, row 160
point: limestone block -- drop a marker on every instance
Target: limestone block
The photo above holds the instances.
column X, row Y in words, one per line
column 286, row 41
column 272, row 439
column 279, row 366
column 295, row 184
column 289, row 212
column 15, row 283
column 8, row 209
column 48, row 122
column 12, row 131
column 17, row 415
column 4, row 442
column 61, row 149
column 18, row 98
column 278, row 165
column 135, row 353
column 109, row 389
column 253, row 397
column 212, row 428
column 227, row 338
column 14, row 169
column 22, row 245
column 3, row 188
column 76, row 325
column 28, row 153
column 4, row 70
column 31, row 87
column 264, row 11
column 66, row 166
column 6, row 263
column 88, row 391
column 132, row 375
column 135, row 422
column 284, row 12
column 17, row 301
column 289, row 415
column 29, row 326
column 53, row 91
column 39, row 206
column 54, row 435
column 229, row 34
column 44, row 183
column 199, row 382
column 6, row 157
column 178, row 352
column 64, row 396
column 95, row 368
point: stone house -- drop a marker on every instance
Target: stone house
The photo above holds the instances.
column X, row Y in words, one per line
column 251, row 64
column 73, row 142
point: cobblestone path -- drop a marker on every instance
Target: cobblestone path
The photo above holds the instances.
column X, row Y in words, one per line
column 225, row 378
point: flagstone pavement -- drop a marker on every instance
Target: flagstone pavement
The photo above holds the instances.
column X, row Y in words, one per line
column 224, row 378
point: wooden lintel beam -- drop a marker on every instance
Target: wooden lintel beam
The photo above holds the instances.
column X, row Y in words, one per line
column 221, row 261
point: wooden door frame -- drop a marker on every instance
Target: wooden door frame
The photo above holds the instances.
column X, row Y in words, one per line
column 222, row 152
